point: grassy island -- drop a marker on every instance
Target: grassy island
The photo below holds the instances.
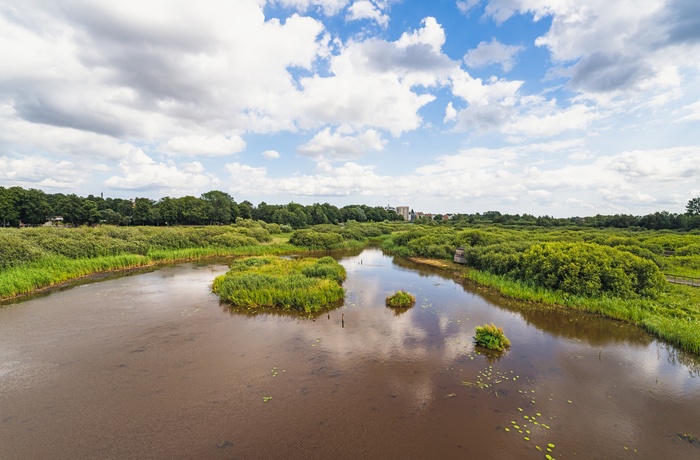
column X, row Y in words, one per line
column 400, row 299
column 307, row 285
column 492, row 337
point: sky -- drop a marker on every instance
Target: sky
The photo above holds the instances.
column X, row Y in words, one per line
column 547, row 107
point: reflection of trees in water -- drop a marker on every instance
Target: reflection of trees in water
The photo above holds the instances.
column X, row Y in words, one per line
column 490, row 356
column 423, row 270
column 399, row 311
column 559, row 321
column 272, row 311
column 677, row 356
column 564, row 322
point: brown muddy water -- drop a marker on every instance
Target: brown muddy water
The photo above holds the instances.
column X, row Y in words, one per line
column 152, row 366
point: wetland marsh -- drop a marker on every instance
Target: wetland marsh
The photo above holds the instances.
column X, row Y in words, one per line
column 153, row 365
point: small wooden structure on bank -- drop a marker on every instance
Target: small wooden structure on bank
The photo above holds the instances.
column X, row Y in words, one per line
column 459, row 256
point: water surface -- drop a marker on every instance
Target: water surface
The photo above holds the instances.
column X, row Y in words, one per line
column 153, row 366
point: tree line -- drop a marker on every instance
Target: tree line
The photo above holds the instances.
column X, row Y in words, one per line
column 660, row 220
column 19, row 206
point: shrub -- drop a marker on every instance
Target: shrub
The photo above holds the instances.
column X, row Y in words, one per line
column 492, row 337
column 258, row 233
column 315, row 240
column 689, row 250
column 233, row 240
column 400, row 299
column 15, row 251
column 590, row 270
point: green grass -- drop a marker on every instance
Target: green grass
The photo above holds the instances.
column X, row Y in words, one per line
column 40, row 258
column 307, row 285
column 54, row 270
column 400, row 299
column 673, row 316
column 492, row 337
column 34, row 259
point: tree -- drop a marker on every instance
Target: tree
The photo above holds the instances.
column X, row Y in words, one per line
column 142, row 212
column 168, row 208
column 33, row 206
column 70, row 207
column 222, row 207
column 318, row 216
column 90, row 212
column 693, row 207
column 112, row 217
column 264, row 212
column 8, row 210
column 193, row 211
column 245, row 210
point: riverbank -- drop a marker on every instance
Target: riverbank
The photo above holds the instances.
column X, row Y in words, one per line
column 36, row 260
column 57, row 271
column 673, row 316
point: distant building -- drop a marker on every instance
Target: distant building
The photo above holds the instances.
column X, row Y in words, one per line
column 54, row 220
column 402, row 211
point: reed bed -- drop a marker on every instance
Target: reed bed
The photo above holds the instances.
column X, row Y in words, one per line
column 55, row 270
column 307, row 285
column 39, row 258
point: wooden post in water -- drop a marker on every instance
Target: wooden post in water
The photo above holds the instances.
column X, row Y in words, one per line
column 342, row 319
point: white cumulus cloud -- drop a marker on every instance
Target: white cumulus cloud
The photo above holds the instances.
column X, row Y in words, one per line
column 205, row 145
column 364, row 9
column 328, row 145
column 493, row 52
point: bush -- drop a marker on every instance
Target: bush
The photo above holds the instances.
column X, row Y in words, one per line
column 233, row 240
column 400, row 299
column 315, row 240
column 15, row 251
column 492, row 337
column 258, row 233
column 590, row 270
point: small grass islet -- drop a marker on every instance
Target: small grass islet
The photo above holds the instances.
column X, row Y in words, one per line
column 401, row 299
column 492, row 337
column 306, row 285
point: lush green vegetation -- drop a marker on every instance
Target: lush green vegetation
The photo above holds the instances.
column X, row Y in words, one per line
column 35, row 258
column 307, row 285
column 400, row 299
column 492, row 337
column 32, row 207
column 614, row 273
column 19, row 207
column 349, row 236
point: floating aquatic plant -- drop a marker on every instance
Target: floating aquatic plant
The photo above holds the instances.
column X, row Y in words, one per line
column 492, row 337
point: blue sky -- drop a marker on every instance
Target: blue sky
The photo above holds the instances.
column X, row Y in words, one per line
column 556, row 107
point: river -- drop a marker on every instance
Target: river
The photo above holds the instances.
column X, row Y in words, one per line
column 151, row 365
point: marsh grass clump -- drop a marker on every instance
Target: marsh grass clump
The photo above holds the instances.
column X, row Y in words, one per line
column 400, row 299
column 307, row 285
column 688, row 437
column 492, row 337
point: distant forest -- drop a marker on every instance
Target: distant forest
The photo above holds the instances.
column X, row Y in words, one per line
column 32, row 207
